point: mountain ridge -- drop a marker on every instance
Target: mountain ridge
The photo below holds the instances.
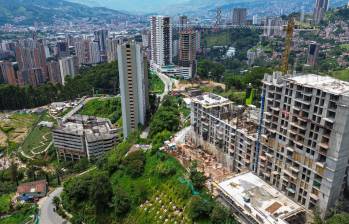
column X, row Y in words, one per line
column 26, row 12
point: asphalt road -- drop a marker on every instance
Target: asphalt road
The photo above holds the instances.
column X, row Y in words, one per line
column 47, row 215
column 168, row 84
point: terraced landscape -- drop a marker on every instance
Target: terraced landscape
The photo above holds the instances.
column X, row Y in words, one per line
column 14, row 129
column 39, row 139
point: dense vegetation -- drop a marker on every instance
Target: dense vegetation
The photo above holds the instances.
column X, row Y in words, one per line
column 241, row 39
column 167, row 117
column 338, row 14
column 103, row 107
column 155, row 83
column 99, row 79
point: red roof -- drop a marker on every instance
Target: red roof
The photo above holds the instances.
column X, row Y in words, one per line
column 36, row 186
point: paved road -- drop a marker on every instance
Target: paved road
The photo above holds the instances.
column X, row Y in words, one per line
column 47, row 215
column 168, row 84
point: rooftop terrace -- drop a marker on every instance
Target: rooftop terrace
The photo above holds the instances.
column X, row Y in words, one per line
column 210, row 99
column 259, row 199
column 325, row 83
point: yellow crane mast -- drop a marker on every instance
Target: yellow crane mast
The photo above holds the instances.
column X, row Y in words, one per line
column 288, row 45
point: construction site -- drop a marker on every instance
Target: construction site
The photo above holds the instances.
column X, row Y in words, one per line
column 223, row 140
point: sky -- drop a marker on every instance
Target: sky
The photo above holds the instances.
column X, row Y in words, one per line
column 131, row 5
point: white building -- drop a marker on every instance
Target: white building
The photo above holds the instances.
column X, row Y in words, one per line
column 133, row 76
column 231, row 52
column 161, row 40
column 66, row 66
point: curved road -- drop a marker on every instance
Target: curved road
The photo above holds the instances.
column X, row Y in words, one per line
column 168, row 84
column 47, row 215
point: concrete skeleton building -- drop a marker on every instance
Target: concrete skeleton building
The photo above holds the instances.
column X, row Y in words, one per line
column 302, row 149
column 161, row 40
column 226, row 130
column 84, row 136
column 304, row 143
column 133, row 76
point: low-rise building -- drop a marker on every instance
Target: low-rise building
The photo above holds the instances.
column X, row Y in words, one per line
column 32, row 190
column 258, row 202
column 84, row 136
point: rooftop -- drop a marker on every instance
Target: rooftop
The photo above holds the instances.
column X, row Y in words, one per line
column 325, row 83
column 259, row 199
column 93, row 128
column 32, row 187
column 210, row 100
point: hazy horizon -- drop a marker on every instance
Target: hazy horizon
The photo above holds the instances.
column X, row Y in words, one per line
column 145, row 6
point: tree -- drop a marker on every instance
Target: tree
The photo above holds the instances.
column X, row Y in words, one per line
column 199, row 208
column 102, row 78
column 14, row 172
column 166, row 118
column 197, row 178
column 220, row 215
column 121, row 202
column 56, row 201
column 342, row 218
column 134, row 163
column 166, row 169
column 100, row 191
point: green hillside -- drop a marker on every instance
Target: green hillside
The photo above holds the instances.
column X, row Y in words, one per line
column 27, row 12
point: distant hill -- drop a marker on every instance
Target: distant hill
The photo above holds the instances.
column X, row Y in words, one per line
column 26, row 12
column 260, row 7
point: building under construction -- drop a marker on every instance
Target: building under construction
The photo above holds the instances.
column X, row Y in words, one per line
column 227, row 131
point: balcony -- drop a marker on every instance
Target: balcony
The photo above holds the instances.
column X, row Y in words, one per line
column 275, row 109
column 294, row 169
column 275, row 173
column 263, row 158
column 315, row 197
column 324, row 145
column 270, row 156
column 288, row 173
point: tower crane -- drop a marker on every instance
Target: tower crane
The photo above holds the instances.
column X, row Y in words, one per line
column 288, row 45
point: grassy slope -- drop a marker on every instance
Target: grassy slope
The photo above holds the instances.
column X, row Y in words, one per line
column 106, row 108
column 17, row 128
column 220, row 39
column 341, row 74
column 36, row 136
column 21, row 216
column 155, row 83
column 5, row 201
